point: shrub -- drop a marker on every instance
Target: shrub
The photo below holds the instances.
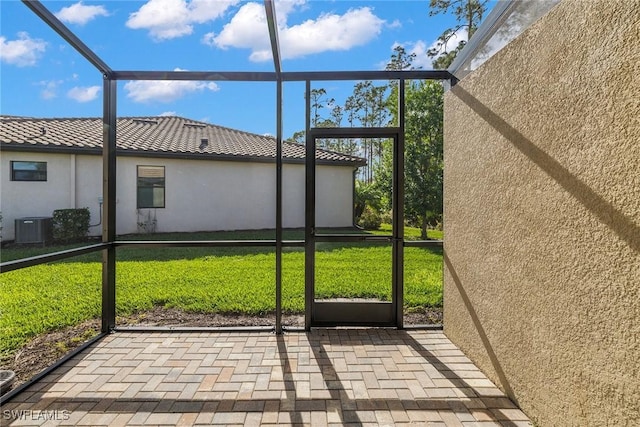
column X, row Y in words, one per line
column 70, row 224
column 370, row 219
column 367, row 195
column 386, row 217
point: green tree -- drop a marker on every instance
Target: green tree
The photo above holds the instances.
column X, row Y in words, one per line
column 368, row 107
column 400, row 60
column 423, row 148
column 468, row 15
column 318, row 102
column 298, row 137
column 423, row 153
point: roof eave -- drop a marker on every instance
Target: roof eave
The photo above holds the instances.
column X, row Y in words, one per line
column 56, row 149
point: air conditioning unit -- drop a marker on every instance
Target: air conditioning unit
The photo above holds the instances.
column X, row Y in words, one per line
column 34, row 230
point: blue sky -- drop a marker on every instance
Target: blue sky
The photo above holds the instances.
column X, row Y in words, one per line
column 42, row 76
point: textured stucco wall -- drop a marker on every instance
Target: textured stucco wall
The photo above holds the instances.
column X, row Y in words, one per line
column 20, row 199
column 542, row 216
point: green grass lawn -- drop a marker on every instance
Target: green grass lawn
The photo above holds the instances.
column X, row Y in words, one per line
column 223, row 280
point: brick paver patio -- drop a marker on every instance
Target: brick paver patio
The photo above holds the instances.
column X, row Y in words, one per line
column 326, row 377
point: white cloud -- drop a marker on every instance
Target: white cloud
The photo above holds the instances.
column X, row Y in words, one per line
column 165, row 90
column 247, row 29
column 461, row 35
column 50, row 88
column 22, row 52
column 80, row 14
column 452, row 43
column 420, row 49
column 285, row 7
column 329, row 32
column 84, row 94
column 395, row 24
column 168, row 19
column 168, row 114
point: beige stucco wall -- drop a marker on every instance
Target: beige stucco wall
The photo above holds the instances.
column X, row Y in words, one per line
column 199, row 195
column 542, row 216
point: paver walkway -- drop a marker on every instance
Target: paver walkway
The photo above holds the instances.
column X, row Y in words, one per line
column 326, row 377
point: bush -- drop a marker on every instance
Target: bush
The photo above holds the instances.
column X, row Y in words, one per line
column 370, row 219
column 367, row 196
column 70, row 224
column 386, row 217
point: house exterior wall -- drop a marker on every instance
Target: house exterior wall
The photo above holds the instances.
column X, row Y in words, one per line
column 334, row 193
column 542, row 216
column 199, row 195
column 20, row 199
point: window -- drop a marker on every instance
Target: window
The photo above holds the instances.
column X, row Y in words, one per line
column 28, row 171
column 150, row 187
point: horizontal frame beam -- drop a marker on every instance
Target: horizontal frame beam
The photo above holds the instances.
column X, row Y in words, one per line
column 193, row 243
column 294, row 76
column 152, row 329
column 423, row 243
column 291, row 76
column 338, row 238
column 237, row 76
column 354, row 132
column 7, row 266
column 206, row 243
column 55, row 256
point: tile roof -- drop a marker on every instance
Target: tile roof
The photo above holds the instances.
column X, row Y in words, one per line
column 147, row 136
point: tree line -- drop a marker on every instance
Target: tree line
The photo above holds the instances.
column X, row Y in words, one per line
column 373, row 104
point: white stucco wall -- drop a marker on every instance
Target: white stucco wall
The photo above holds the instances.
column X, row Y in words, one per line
column 199, row 195
column 89, row 189
column 20, row 199
column 334, row 196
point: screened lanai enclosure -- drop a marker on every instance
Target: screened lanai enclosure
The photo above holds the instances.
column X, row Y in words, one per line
column 530, row 261
column 324, row 256
column 322, row 307
column 310, row 276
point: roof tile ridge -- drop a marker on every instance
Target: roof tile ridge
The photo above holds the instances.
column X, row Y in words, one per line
column 244, row 132
column 324, row 150
column 45, row 119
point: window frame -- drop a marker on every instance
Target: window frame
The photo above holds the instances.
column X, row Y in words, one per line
column 151, row 186
column 40, row 175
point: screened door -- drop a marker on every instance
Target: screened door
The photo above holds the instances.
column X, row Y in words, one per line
column 352, row 276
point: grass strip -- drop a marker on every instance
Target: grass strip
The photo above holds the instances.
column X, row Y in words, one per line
column 44, row 298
